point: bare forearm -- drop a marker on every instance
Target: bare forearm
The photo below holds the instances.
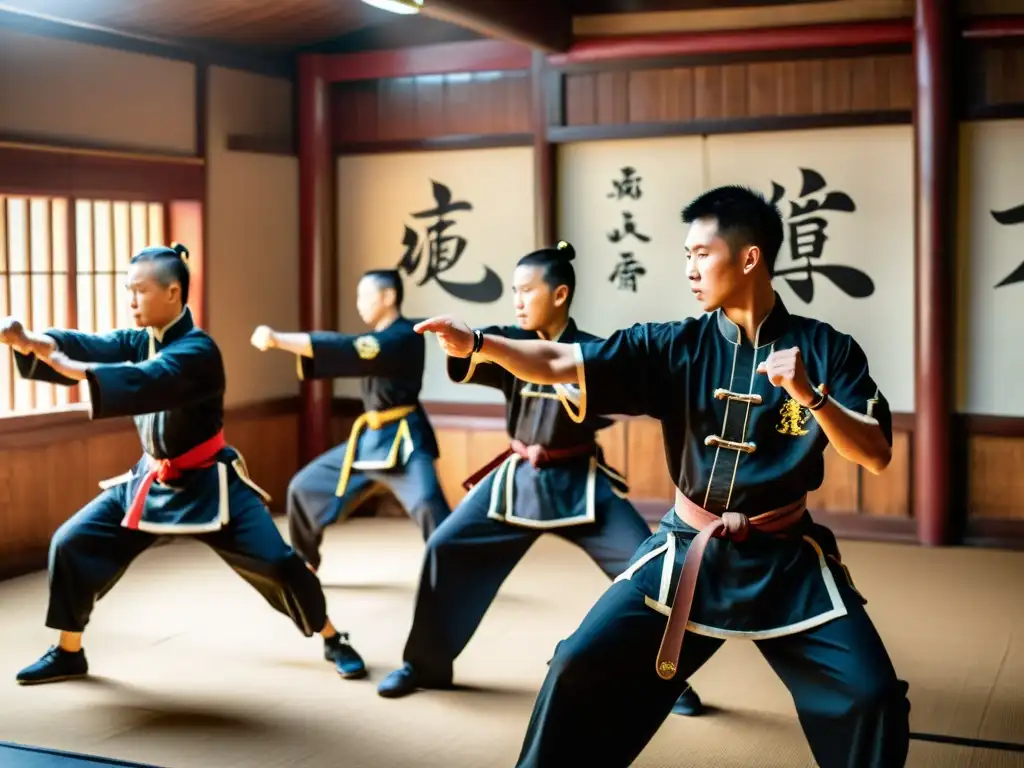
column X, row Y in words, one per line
column 72, row 369
column 296, row 343
column 856, row 437
column 38, row 344
column 539, row 362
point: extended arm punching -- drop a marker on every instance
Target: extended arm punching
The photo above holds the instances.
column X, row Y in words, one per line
column 626, row 373
column 65, row 355
column 393, row 351
column 539, row 362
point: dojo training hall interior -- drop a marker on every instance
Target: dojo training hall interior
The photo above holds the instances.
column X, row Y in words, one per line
column 294, row 144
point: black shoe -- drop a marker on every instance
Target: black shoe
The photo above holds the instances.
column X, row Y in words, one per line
column 55, row 665
column 346, row 660
column 404, row 681
column 688, row 704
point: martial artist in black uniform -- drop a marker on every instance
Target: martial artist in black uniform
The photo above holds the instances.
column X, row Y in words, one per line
column 748, row 396
column 169, row 376
column 553, row 478
column 392, row 444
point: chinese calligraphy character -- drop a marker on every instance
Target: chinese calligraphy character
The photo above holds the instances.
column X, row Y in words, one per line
column 629, row 268
column 626, row 272
column 628, row 228
column 629, row 186
column 444, row 249
column 807, row 240
column 1009, row 217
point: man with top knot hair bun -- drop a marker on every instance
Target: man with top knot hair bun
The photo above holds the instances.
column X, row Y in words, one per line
column 553, row 478
column 168, row 375
column 748, row 396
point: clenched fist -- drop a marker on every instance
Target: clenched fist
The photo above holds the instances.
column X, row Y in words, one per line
column 454, row 336
column 263, row 338
column 14, row 335
column 12, row 332
column 785, row 368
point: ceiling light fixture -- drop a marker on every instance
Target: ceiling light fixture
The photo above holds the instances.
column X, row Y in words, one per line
column 405, row 7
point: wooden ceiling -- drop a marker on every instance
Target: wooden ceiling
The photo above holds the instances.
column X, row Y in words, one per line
column 287, row 25
column 597, row 7
column 263, row 24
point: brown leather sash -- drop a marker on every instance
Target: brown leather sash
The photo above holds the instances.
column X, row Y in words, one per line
column 537, row 455
column 731, row 525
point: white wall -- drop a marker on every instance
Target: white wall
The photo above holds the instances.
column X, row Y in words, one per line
column 990, row 318
column 872, row 166
column 377, row 195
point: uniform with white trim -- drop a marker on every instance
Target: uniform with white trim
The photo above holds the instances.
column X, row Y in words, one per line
column 743, row 456
column 391, row 446
column 554, row 478
column 189, row 481
column 554, row 474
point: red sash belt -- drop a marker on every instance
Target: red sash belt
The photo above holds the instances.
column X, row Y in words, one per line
column 731, row 525
column 202, row 456
column 537, row 455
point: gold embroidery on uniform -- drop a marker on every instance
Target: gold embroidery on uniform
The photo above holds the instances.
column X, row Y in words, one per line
column 794, row 416
column 527, row 392
column 367, row 347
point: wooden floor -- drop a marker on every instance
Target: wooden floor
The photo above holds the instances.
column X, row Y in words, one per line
column 191, row 669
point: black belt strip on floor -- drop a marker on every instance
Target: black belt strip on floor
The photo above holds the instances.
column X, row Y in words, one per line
column 960, row 741
column 963, row 741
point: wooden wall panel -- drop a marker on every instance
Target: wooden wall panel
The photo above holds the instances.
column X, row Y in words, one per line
column 880, row 83
column 839, row 492
column 645, row 462
column 991, row 7
column 613, row 443
column 995, row 483
column 270, row 446
column 80, row 453
column 635, row 446
column 859, row 503
column 888, row 494
column 994, row 72
column 427, row 107
column 38, row 170
column 1003, row 68
column 47, row 474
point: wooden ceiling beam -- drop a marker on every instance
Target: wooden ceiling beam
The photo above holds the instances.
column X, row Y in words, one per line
column 544, row 25
column 724, row 42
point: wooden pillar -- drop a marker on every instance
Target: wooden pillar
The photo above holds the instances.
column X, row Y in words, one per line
column 935, row 154
column 544, row 107
column 316, row 244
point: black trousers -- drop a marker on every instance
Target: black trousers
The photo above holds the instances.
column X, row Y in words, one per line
column 470, row 556
column 602, row 700
column 91, row 552
column 312, row 505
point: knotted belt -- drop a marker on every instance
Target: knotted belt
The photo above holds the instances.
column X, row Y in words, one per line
column 537, row 455
column 731, row 525
column 202, row 456
column 374, row 420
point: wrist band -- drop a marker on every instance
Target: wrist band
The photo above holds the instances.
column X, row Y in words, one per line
column 818, row 404
column 478, row 340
